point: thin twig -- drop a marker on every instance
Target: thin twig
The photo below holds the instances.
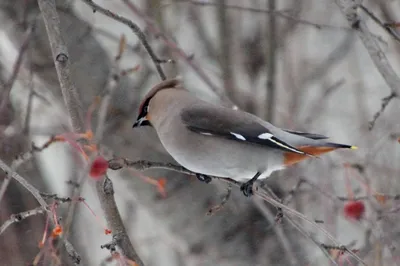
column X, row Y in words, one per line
column 278, row 13
column 349, row 9
column 141, row 165
column 15, row 218
column 224, row 200
column 225, row 49
column 12, row 174
column 72, row 253
column 60, row 199
column 28, row 114
column 113, row 83
column 282, row 238
column 152, row 26
column 135, row 28
column 298, row 227
column 19, row 160
column 385, row 103
column 271, row 65
column 384, row 26
column 264, row 196
column 5, row 95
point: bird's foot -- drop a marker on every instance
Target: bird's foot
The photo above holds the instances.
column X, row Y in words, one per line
column 203, row 178
column 247, row 188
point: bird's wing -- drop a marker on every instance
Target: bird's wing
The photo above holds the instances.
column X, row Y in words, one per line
column 231, row 124
column 307, row 135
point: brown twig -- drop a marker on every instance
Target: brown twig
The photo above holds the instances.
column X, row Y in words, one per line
column 16, row 218
column 224, row 200
column 135, row 28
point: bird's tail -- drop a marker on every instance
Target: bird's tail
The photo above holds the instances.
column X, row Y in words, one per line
column 339, row 146
column 316, row 150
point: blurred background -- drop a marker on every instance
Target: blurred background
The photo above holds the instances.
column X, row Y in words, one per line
column 295, row 63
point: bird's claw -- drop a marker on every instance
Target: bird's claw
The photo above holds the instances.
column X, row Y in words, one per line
column 203, row 178
column 247, row 188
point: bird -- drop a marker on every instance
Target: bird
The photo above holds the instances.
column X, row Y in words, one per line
column 213, row 140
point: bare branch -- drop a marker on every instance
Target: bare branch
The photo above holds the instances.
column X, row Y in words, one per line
column 385, row 103
column 135, row 28
column 12, row 174
column 16, row 218
column 278, row 230
column 5, row 95
column 225, row 49
column 384, row 26
column 349, row 9
column 72, row 253
column 278, row 13
column 141, row 165
column 106, row 195
column 62, row 64
column 152, row 26
column 104, row 189
column 271, row 65
column 224, row 200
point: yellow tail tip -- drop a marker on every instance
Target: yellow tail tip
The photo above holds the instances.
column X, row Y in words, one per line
column 353, row 147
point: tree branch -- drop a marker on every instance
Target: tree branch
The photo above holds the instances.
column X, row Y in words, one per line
column 61, row 58
column 12, row 174
column 16, row 218
column 142, row 165
column 153, row 28
column 135, row 28
column 349, row 9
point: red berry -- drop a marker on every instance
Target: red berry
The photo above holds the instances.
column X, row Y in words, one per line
column 354, row 210
column 99, row 167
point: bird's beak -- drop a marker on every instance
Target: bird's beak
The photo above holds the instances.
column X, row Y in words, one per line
column 142, row 121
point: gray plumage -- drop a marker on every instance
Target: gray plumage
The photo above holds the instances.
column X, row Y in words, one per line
column 218, row 141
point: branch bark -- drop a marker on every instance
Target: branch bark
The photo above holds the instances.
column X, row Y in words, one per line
column 62, row 63
column 70, row 95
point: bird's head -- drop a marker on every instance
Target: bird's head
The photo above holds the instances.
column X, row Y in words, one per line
column 144, row 117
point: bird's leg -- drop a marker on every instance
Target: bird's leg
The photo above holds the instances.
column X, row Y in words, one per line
column 247, row 188
column 203, row 178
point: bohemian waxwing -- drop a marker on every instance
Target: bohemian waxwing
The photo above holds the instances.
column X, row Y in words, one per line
column 218, row 141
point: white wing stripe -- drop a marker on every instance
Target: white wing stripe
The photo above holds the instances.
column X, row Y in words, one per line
column 265, row 136
column 238, row 136
column 286, row 147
